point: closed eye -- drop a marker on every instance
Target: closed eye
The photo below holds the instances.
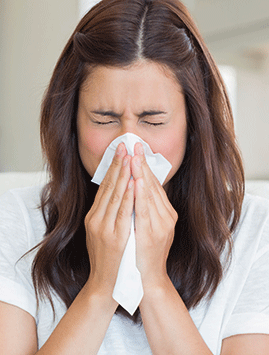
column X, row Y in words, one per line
column 154, row 123
column 151, row 113
column 103, row 123
column 107, row 117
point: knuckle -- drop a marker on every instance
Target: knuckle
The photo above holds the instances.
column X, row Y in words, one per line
column 150, row 197
column 107, row 185
column 115, row 198
column 143, row 160
column 90, row 224
column 88, row 218
column 123, row 173
column 153, row 188
column 122, row 213
column 91, row 231
column 116, row 162
column 175, row 215
column 127, row 197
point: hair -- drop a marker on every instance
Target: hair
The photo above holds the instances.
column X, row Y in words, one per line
column 207, row 190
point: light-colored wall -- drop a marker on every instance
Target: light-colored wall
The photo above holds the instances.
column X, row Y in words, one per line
column 33, row 34
column 237, row 34
column 253, row 120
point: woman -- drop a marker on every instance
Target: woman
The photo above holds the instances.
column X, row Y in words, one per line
column 139, row 67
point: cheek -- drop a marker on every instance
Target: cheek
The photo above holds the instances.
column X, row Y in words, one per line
column 172, row 147
column 92, row 146
column 176, row 151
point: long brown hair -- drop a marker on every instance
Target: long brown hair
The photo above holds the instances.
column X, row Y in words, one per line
column 207, row 190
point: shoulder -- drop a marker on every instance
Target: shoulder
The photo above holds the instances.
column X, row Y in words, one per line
column 19, row 199
column 254, row 219
column 21, row 228
column 247, row 282
column 255, row 205
column 251, row 237
column 20, row 215
column 27, row 194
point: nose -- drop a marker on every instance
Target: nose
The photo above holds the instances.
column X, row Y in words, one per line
column 129, row 126
column 124, row 131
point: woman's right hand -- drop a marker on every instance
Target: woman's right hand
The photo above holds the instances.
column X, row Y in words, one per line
column 108, row 222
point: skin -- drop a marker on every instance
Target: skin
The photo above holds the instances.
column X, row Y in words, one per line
column 129, row 93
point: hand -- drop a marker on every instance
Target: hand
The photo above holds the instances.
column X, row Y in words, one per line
column 155, row 220
column 108, row 222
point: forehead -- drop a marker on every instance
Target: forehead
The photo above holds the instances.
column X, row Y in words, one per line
column 143, row 83
column 141, row 70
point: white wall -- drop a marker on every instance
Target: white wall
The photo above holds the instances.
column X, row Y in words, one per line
column 252, row 123
column 237, row 33
column 33, row 34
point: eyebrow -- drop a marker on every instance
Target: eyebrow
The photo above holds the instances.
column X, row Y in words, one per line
column 107, row 113
column 151, row 113
column 141, row 115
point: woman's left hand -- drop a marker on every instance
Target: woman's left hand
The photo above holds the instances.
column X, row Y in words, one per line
column 166, row 320
column 155, row 221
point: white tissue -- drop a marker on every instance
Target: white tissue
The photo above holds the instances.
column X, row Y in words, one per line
column 128, row 290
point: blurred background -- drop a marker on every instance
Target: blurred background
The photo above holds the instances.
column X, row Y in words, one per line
column 33, row 34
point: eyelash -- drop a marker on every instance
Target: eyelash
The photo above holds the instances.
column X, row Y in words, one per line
column 103, row 123
column 149, row 123
column 154, row 123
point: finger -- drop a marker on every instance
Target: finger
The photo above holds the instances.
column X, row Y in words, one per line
column 140, row 161
column 113, row 171
column 151, row 226
column 140, row 169
column 125, row 211
column 108, row 184
column 142, row 212
column 115, row 200
column 148, row 208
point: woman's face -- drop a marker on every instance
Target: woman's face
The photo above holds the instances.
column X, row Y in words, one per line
column 144, row 99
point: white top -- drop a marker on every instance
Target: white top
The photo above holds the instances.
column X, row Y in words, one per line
column 240, row 304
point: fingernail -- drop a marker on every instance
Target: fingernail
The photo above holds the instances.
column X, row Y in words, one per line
column 119, row 149
column 137, row 161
